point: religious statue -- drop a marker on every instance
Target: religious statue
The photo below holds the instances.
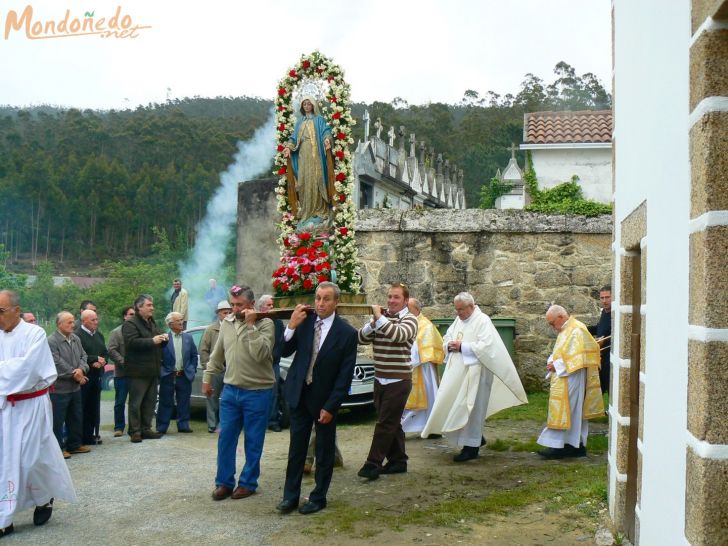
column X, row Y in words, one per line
column 309, row 150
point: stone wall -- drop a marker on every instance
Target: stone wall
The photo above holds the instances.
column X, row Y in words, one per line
column 515, row 263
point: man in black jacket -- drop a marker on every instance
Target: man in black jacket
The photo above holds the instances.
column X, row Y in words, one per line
column 143, row 342
column 94, row 345
column 317, row 383
column 602, row 333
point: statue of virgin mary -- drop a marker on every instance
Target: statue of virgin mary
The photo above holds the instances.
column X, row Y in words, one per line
column 307, row 150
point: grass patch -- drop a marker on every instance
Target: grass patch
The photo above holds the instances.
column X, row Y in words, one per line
column 597, row 445
column 108, row 395
column 535, row 410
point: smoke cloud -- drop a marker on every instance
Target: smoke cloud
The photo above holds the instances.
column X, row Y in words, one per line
column 215, row 231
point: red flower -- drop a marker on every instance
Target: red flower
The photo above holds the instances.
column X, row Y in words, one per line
column 293, row 74
column 332, row 99
column 280, row 147
column 281, row 126
column 276, row 283
column 340, row 154
column 336, row 115
column 344, row 231
column 342, row 197
column 306, row 269
column 286, row 242
column 330, row 79
column 295, row 278
column 341, row 135
column 301, row 251
column 340, row 177
column 323, row 277
column 317, row 244
column 290, row 271
column 306, row 64
column 285, row 287
column 281, row 91
column 307, row 284
column 320, row 70
column 305, row 236
column 282, row 170
column 319, row 267
column 323, row 254
column 281, row 108
column 326, row 265
column 311, row 254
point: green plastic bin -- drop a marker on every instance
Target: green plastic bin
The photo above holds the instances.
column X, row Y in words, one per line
column 506, row 328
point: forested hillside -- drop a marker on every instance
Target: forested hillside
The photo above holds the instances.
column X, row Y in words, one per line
column 84, row 186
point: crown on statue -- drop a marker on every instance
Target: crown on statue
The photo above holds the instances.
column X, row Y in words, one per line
column 309, row 87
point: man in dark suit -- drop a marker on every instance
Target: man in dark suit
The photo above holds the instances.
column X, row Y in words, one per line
column 179, row 364
column 96, row 354
column 317, row 383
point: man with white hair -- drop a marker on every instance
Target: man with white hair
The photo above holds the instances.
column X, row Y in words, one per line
column 179, row 365
column 575, row 394
column 207, row 344
column 71, row 365
column 427, row 353
column 94, row 344
column 480, row 380
column 32, row 469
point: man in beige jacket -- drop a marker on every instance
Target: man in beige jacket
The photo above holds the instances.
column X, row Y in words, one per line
column 244, row 353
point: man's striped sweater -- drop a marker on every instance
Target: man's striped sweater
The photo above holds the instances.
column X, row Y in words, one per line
column 392, row 346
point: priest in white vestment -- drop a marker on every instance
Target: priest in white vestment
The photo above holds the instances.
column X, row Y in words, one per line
column 32, row 469
column 480, row 380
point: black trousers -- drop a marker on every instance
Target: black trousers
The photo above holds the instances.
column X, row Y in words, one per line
column 91, row 401
column 142, row 400
column 67, row 411
column 388, row 439
column 302, row 419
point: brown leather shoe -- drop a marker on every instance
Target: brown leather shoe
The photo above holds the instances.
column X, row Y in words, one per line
column 66, row 455
column 307, row 468
column 221, row 493
column 136, row 437
column 81, row 449
column 242, row 492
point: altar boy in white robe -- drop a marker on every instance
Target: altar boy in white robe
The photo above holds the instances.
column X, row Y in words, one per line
column 480, row 380
column 32, row 469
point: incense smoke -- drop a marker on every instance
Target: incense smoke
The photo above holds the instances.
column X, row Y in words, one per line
column 216, row 229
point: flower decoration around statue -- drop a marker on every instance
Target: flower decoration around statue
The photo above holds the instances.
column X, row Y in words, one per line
column 314, row 250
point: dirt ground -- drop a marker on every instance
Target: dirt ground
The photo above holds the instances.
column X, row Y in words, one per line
column 158, row 492
column 433, row 477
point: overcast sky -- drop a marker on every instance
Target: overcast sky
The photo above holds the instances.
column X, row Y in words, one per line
column 423, row 50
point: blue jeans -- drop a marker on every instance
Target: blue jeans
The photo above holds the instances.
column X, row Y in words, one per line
column 121, row 391
column 241, row 410
column 174, row 391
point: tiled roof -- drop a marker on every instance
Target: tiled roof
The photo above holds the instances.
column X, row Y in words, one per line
column 567, row 127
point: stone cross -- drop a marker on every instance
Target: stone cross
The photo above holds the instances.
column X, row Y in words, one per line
column 439, row 163
column 513, row 150
column 366, row 125
column 413, row 142
column 378, row 127
column 390, row 134
column 401, row 138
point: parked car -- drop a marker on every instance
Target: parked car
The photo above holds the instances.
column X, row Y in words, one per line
column 361, row 393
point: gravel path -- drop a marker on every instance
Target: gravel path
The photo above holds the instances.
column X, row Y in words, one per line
column 158, row 492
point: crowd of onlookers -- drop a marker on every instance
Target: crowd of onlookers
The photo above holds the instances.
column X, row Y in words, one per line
column 157, row 376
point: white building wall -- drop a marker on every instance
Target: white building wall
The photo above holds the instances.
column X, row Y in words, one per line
column 593, row 166
column 652, row 40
